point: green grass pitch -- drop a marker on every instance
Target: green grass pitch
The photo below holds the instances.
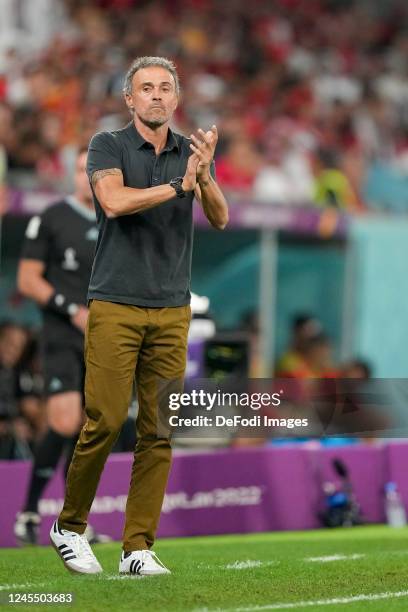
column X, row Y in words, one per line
column 268, row 571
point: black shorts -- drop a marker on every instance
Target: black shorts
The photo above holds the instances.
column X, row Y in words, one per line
column 64, row 368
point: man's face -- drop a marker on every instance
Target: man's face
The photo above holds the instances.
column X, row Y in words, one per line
column 82, row 186
column 153, row 98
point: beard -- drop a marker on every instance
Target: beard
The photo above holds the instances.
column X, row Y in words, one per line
column 153, row 123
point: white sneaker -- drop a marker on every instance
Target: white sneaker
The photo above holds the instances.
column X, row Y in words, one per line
column 26, row 527
column 74, row 550
column 141, row 563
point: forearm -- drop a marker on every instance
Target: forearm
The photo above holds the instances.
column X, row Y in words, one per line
column 128, row 201
column 213, row 202
column 36, row 288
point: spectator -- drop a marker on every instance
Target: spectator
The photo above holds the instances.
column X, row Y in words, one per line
column 304, row 328
column 332, row 187
column 356, row 368
column 308, row 358
column 15, row 431
column 237, row 168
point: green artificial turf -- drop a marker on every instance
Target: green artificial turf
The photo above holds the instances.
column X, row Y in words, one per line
column 212, row 573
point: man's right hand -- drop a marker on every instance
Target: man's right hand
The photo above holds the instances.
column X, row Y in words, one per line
column 190, row 177
column 80, row 319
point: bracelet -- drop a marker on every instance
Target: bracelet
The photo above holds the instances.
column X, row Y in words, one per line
column 58, row 303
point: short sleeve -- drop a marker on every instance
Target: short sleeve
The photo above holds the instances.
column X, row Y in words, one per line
column 37, row 239
column 103, row 153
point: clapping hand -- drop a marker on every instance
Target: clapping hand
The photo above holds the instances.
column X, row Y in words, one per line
column 203, row 146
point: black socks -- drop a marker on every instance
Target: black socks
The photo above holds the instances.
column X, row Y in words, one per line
column 46, row 458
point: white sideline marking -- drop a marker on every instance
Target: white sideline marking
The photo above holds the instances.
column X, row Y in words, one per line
column 329, row 558
column 324, row 602
column 239, row 565
column 17, row 587
column 119, row 577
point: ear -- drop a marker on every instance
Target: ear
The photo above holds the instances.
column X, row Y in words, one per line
column 176, row 102
column 129, row 102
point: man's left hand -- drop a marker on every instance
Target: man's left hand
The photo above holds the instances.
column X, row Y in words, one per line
column 203, row 146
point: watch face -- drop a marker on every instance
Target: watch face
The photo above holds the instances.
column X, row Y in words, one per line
column 176, row 183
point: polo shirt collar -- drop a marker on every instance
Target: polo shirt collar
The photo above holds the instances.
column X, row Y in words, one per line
column 140, row 141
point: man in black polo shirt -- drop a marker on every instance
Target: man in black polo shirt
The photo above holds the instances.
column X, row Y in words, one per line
column 144, row 178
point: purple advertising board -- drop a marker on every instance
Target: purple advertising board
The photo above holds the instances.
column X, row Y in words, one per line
column 224, row 491
column 308, row 219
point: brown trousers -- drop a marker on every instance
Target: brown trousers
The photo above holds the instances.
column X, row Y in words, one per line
column 122, row 342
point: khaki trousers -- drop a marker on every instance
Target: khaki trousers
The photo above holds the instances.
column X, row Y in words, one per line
column 122, row 341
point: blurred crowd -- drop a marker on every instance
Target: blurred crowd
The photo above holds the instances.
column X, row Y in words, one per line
column 310, row 97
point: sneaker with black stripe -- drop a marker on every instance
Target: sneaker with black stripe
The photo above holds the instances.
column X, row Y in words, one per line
column 141, row 563
column 74, row 551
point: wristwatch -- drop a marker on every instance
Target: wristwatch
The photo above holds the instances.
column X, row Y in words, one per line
column 176, row 183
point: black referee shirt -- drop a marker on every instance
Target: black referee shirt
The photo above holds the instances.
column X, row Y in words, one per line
column 63, row 237
column 143, row 259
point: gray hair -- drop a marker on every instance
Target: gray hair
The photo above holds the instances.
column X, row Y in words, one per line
column 145, row 62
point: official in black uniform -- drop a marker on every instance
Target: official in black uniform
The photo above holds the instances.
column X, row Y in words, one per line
column 54, row 270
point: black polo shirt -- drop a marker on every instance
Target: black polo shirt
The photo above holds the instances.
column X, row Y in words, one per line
column 144, row 258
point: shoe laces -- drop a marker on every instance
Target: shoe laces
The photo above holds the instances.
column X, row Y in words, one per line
column 150, row 559
column 81, row 546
